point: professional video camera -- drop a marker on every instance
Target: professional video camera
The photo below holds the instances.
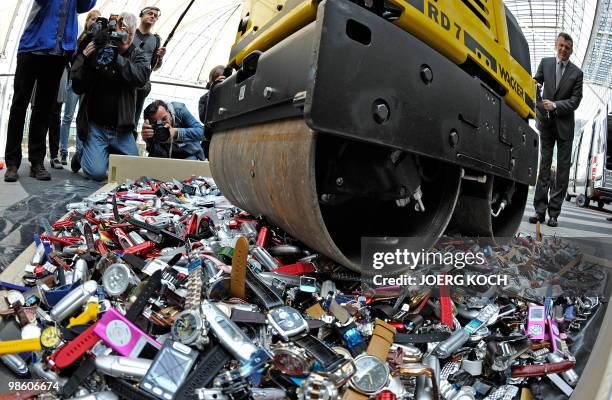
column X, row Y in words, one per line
column 107, row 34
column 161, row 132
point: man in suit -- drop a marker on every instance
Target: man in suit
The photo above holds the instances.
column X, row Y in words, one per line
column 561, row 96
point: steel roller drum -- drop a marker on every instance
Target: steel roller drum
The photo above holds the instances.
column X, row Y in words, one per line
column 270, row 170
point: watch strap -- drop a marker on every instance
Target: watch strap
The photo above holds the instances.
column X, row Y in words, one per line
column 299, row 268
column 208, row 367
column 153, row 285
column 86, row 368
column 352, row 394
column 239, row 266
column 520, row 371
column 264, row 295
column 19, row 346
column 404, row 338
column 381, row 341
column 126, row 390
column 315, row 311
column 248, row 317
column 71, row 351
column 323, row 354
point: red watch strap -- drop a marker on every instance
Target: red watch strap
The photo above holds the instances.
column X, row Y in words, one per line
column 73, row 350
column 298, row 268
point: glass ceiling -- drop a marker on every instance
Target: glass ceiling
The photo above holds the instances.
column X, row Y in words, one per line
column 542, row 20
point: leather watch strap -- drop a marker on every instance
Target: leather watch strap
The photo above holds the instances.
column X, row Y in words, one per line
column 403, row 338
column 315, row 311
column 381, row 341
column 86, row 368
column 351, row 394
column 153, row 285
column 323, row 354
column 208, row 367
column 541, row 369
column 71, row 351
column 263, row 294
column 248, row 317
column 126, row 390
column 239, row 266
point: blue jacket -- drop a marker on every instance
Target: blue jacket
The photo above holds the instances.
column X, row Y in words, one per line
column 43, row 24
column 189, row 137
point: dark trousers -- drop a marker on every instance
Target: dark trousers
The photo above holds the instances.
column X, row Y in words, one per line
column 547, row 197
column 54, row 129
column 141, row 95
column 47, row 71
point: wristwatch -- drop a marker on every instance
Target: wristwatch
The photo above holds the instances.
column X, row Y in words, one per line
column 317, row 386
column 372, row 369
column 289, row 324
column 73, row 350
column 51, row 337
column 291, row 359
column 189, row 326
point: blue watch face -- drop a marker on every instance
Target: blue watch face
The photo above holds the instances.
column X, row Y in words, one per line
column 371, row 374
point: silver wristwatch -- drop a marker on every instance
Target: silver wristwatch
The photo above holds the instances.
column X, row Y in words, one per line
column 189, row 326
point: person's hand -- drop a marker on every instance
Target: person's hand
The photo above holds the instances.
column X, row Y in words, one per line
column 548, row 105
column 89, row 49
column 147, row 130
column 161, row 52
column 173, row 133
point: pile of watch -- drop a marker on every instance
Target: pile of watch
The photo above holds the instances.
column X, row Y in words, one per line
column 164, row 290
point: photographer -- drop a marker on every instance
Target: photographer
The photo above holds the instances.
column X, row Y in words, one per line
column 170, row 131
column 107, row 72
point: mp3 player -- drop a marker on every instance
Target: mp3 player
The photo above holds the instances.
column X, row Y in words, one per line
column 536, row 322
column 124, row 337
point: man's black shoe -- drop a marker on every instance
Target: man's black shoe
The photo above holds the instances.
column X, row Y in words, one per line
column 11, row 174
column 39, row 172
column 75, row 163
column 552, row 221
column 64, row 159
column 536, row 218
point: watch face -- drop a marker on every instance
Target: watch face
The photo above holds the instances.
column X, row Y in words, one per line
column 287, row 321
column 187, row 327
column 291, row 360
column 371, row 375
column 116, row 279
column 50, row 337
column 118, row 332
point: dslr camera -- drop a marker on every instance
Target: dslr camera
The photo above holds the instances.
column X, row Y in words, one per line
column 107, row 35
column 161, row 133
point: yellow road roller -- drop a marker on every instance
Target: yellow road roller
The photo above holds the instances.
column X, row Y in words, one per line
column 395, row 119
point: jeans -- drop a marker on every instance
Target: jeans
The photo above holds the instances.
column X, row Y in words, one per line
column 100, row 143
column 46, row 71
column 71, row 102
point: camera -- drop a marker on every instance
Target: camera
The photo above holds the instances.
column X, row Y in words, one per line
column 161, row 133
column 107, row 34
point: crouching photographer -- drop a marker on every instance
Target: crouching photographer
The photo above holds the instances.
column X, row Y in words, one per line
column 107, row 72
column 170, row 131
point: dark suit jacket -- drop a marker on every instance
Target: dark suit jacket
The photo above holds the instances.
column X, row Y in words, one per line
column 567, row 97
